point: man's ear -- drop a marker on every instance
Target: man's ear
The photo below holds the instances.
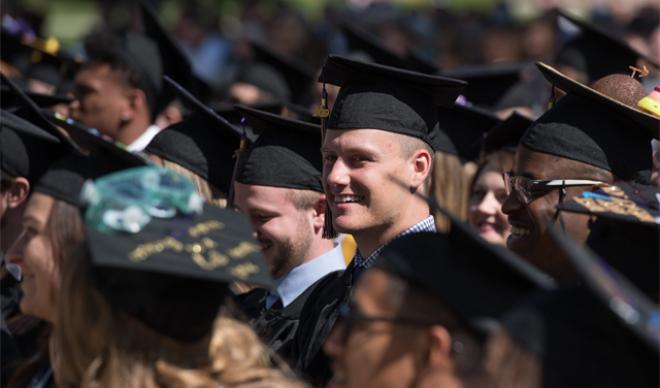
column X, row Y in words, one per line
column 421, row 167
column 440, row 346
column 137, row 101
column 319, row 212
column 18, row 192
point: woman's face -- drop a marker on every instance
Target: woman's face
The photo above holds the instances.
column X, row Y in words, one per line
column 485, row 212
column 33, row 252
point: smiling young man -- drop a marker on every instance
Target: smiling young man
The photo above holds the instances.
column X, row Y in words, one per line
column 377, row 156
column 278, row 186
column 587, row 139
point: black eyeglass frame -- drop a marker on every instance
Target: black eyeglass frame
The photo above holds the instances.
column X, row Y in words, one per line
column 541, row 186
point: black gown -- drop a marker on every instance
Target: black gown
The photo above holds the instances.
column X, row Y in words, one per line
column 277, row 327
column 317, row 319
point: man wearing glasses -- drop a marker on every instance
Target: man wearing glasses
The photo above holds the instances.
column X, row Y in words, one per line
column 420, row 316
column 587, row 139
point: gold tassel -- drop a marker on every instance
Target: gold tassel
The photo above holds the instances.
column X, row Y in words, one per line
column 323, row 112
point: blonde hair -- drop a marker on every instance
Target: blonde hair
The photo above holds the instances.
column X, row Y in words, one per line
column 451, row 187
column 210, row 193
column 99, row 345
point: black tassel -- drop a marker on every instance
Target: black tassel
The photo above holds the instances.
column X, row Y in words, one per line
column 323, row 112
column 238, row 155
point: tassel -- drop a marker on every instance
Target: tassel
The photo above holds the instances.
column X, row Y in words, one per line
column 323, row 112
column 238, row 155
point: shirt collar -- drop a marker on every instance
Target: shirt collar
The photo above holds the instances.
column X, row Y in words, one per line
column 144, row 139
column 293, row 284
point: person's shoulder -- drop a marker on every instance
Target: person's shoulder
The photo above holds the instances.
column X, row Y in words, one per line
column 251, row 302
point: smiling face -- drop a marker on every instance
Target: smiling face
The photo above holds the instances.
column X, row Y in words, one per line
column 284, row 231
column 33, row 252
column 485, row 209
column 529, row 222
column 368, row 178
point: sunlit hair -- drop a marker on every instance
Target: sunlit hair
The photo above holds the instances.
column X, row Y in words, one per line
column 65, row 231
column 102, row 346
column 304, row 199
column 209, row 192
column 450, row 186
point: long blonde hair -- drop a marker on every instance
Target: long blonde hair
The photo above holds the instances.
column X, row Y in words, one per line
column 451, row 186
column 210, row 193
column 99, row 345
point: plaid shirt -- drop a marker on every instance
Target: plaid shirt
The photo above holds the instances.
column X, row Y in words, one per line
column 425, row 225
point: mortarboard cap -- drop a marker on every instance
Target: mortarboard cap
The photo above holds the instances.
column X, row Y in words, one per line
column 465, row 126
column 10, row 100
column 624, row 230
column 592, row 128
column 284, row 155
column 387, row 98
column 26, row 149
column 487, row 84
column 203, row 142
column 506, row 135
column 479, row 281
column 595, row 51
column 173, row 273
column 364, row 43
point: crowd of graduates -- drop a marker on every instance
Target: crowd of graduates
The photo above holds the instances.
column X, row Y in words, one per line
column 392, row 198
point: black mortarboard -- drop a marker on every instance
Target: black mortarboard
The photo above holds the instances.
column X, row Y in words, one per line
column 596, row 51
column 487, row 84
column 26, row 149
column 506, row 135
column 365, row 43
column 479, row 281
column 466, row 126
column 10, row 101
column 592, row 128
column 286, row 78
column 284, row 155
column 204, row 142
column 387, row 98
column 624, row 230
column 175, row 62
column 51, row 68
column 173, row 274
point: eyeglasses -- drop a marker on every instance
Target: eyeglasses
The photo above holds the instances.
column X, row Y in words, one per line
column 529, row 189
column 351, row 316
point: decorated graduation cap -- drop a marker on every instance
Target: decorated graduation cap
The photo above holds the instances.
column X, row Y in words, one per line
column 592, row 128
column 365, row 43
column 162, row 256
column 26, row 149
column 387, row 98
column 175, row 62
column 506, row 135
column 487, row 84
column 595, row 51
column 465, row 126
column 202, row 142
column 624, row 230
column 287, row 79
column 477, row 280
column 284, row 155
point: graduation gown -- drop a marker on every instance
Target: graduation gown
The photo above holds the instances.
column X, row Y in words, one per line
column 277, row 327
column 317, row 319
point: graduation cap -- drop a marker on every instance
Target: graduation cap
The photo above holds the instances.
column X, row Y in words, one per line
column 487, row 84
column 592, row 128
column 52, row 68
column 477, row 280
column 363, row 42
column 465, row 126
column 284, row 155
column 624, row 230
column 26, row 149
column 10, row 101
column 596, row 52
column 174, row 273
column 203, row 142
column 175, row 62
column 387, row 98
column 506, row 135
column 285, row 78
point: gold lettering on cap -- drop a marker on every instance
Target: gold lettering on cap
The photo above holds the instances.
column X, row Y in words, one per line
column 203, row 228
column 215, row 260
column 243, row 249
column 243, row 271
column 143, row 251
